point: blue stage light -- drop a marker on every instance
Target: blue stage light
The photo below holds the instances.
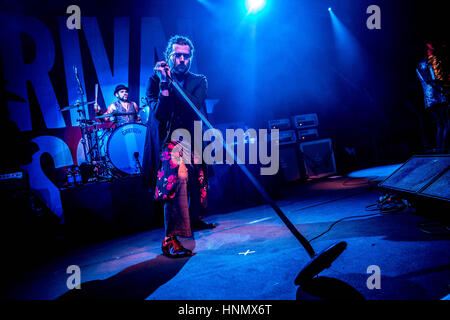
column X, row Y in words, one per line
column 254, row 6
column 329, row 9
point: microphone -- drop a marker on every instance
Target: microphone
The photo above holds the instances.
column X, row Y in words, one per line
column 165, row 65
column 168, row 69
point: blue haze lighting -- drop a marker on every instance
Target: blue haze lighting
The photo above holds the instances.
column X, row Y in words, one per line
column 254, row 6
column 207, row 5
column 350, row 54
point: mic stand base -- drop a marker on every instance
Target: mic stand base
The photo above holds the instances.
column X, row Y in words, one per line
column 320, row 262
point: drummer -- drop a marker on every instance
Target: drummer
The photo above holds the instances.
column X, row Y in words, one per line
column 122, row 105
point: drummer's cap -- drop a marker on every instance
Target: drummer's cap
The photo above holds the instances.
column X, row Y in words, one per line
column 120, row 87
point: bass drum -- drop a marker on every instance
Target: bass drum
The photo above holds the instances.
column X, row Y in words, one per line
column 125, row 147
column 122, row 148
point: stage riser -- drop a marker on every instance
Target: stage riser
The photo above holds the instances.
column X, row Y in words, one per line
column 107, row 208
column 123, row 206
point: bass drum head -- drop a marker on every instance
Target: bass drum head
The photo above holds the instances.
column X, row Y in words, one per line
column 125, row 148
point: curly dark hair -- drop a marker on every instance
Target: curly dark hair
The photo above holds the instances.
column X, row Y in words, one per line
column 177, row 39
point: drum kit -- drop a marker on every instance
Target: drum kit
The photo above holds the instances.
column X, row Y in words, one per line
column 110, row 152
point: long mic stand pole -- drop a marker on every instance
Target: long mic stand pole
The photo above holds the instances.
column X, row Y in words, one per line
column 82, row 115
column 319, row 261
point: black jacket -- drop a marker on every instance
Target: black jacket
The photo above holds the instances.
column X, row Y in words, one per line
column 166, row 115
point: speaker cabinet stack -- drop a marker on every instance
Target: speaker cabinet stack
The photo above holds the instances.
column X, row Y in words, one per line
column 302, row 154
column 287, row 142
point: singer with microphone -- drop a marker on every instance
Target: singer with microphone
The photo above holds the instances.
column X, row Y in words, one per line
column 128, row 108
column 181, row 185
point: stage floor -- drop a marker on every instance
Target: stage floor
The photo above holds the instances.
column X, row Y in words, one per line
column 251, row 255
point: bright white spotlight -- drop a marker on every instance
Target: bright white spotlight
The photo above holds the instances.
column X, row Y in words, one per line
column 254, row 6
column 329, row 9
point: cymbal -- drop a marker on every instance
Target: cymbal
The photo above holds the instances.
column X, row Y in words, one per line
column 76, row 105
column 104, row 116
column 115, row 114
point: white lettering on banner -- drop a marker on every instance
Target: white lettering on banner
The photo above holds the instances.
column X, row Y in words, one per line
column 17, row 72
column 44, row 188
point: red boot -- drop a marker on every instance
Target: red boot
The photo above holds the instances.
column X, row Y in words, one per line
column 172, row 248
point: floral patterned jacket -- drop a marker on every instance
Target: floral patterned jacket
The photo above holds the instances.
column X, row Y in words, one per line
column 169, row 113
column 171, row 156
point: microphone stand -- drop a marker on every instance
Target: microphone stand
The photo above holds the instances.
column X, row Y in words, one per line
column 319, row 261
column 82, row 116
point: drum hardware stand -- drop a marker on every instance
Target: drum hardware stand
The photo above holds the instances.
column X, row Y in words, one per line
column 82, row 122
column 96, row 147
column 103, row 171
column 105, row 167
column 85, row 139
column 319, row 261
column 90, row 148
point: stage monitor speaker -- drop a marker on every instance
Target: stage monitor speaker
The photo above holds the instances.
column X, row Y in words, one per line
column 439, row 188
column 318, row 157
column 425, row 175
